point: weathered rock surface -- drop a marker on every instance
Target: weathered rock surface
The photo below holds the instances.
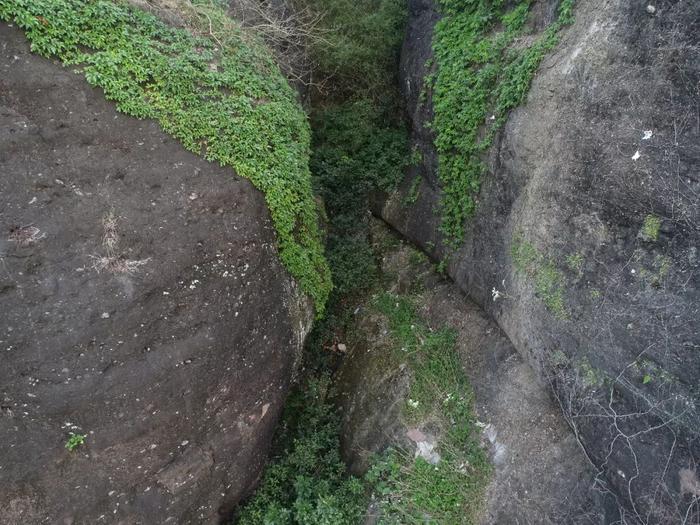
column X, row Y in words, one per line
column 607, row 141
column 142, row 304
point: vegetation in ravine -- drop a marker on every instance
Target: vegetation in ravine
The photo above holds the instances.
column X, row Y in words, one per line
column 219, row 93
column 484, row 69
column 306, row 482
column 412, row 490
column 358, row 52
column 360, row 144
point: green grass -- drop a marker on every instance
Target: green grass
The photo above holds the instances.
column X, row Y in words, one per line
column 481, row 76
column 412, row 490
column 549, row 281
column 223, row 98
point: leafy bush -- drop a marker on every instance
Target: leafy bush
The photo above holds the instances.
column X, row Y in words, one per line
column 358, row 148
column 222, row 97
column 306, row 483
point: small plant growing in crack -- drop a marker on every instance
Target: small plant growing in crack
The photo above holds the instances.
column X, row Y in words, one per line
column 75, row 441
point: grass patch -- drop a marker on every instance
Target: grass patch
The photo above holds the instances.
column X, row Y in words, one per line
column 575, row 263
column 411, row 489
column 413, row 192
column 222, row 96
column 482, row 74
column 549, row 280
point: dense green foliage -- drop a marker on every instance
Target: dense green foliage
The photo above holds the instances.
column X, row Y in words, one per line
column 357, row 149
column 359, row 144
column 223, row 98
column 482, row 73
column 306, row 482
column 413, row 491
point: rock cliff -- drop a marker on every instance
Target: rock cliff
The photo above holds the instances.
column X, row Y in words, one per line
column 584, row 243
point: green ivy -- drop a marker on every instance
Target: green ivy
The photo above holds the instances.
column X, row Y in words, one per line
column 481, row 76
column 222, row 98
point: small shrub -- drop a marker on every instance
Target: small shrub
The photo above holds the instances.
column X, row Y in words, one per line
column 75, row 441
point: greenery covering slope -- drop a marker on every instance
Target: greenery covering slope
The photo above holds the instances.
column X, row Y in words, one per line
column 223, row 98
column 483, row 71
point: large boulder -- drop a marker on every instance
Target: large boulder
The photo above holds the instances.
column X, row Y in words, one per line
column 142, row 307
column 584, row 244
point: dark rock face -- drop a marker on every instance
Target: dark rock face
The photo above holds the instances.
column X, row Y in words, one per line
column 142, row 305
column 597, row 172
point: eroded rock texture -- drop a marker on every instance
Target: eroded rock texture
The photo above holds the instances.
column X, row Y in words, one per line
column 596, row 175
column 142, row 304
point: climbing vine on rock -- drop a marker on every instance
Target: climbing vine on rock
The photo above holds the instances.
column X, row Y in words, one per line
column 222, row 96
column 483, row 72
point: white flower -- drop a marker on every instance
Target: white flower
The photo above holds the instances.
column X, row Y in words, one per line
column 648, row 134
column 495, row 294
